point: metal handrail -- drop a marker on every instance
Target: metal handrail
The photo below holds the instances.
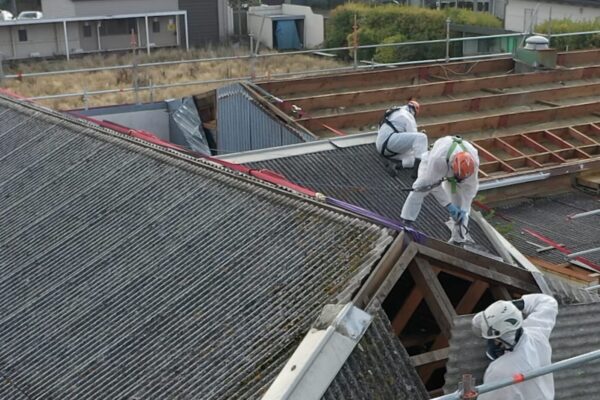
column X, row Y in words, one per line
column 521, row 377
column 248, row 56
column 252, row 56
column 245, row 78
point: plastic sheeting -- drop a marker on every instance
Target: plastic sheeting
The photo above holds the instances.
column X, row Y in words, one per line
column 286, row 34
column 185, row 125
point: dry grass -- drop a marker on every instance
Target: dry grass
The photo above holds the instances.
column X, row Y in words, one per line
column 112, row 79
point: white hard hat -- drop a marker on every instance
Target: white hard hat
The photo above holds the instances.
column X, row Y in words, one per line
column 499, row 318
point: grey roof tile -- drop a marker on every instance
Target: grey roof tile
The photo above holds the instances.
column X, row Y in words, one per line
column 357, row 175
column 548, row 216
column 378, row 368
column 128, row 273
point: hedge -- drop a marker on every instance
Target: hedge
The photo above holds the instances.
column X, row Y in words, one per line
column 392, row 23
column 568, row 26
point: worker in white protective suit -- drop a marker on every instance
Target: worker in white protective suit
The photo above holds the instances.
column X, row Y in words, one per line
column 398, row 139
column 449, row 171
column 518, row 335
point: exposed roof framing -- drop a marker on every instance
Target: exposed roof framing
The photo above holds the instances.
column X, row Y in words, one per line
column 368, row 79
column 425, row 263
column 455, row 87
column 539, row 150
column 519, row 122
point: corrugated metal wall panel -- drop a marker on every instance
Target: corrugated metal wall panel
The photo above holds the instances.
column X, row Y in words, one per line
column 242, row 124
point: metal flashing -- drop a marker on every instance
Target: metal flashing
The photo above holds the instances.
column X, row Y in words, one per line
column 321, row 354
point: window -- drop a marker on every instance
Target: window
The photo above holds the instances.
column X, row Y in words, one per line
column 87, row 30
column 155, row 26
column 118, row 27
column 22, row 35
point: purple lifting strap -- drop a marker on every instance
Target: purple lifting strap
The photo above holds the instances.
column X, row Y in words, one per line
column 416, row 235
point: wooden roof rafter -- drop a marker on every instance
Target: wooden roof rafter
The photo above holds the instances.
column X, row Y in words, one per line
column 424, row 262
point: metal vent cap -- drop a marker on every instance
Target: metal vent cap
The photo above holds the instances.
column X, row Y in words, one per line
column 537, row 43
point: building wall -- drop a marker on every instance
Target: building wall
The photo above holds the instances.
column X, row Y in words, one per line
column 163, row 38
column 58, row 8
column 203, row 20
column 112, row 7
column 45, row 40
column 517, row 16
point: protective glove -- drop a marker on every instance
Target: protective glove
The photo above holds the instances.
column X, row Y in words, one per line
column 456, row 213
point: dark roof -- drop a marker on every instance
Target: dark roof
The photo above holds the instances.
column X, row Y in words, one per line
column 357, row 174
column 130, row 272
column 575, row 333
column 378, row 368
column 549, row 216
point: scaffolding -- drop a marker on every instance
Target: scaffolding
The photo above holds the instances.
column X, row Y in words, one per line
column 465, row 391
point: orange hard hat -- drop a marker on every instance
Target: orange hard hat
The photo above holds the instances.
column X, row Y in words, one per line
column 463, row 165
column 415, row 105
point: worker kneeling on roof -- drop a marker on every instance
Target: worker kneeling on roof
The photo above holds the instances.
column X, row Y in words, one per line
column 517, row 336
column 449, row 171
column 398, row 139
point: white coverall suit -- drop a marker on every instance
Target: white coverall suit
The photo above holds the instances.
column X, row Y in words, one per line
column 531, row 351
column 407, row 144
column 434, row 167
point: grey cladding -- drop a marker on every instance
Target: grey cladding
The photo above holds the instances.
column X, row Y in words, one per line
column 129, row 273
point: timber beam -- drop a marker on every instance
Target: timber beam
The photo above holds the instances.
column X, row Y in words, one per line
column 450, row 107
column 438, row 89
column 389, row 77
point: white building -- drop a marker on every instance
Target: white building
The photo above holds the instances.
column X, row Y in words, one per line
column 89, row 26
column 523, row 15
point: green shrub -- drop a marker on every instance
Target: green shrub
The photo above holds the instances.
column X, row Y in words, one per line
column 365, row 37
column 568, row 26
column 389, row 54
column 392, row 23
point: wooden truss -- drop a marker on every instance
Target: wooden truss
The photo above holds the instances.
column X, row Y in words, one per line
column 424, row 262
column 538, row 149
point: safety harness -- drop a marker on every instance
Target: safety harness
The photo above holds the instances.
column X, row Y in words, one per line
column 456, row 141
column 385, row 120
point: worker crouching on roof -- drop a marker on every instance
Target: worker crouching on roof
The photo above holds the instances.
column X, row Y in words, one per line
column 518, row 335
column 398, row 139
column 449, row 171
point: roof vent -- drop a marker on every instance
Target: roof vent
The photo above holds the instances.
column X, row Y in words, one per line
column 535, row 55
column 537, row 43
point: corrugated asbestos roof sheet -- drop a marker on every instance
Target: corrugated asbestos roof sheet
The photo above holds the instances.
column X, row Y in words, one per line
column 548, row 216
column 575, row 333
column 129, row 273
column 378, row 368
column 357, row 175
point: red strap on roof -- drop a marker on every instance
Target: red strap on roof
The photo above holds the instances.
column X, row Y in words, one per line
column 560, row 248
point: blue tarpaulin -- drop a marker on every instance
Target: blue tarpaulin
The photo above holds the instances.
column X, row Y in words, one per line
column 286, row 34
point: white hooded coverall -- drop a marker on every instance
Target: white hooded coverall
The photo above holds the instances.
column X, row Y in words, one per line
column 434, row 167
column 408, row 143
column 532, row 351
